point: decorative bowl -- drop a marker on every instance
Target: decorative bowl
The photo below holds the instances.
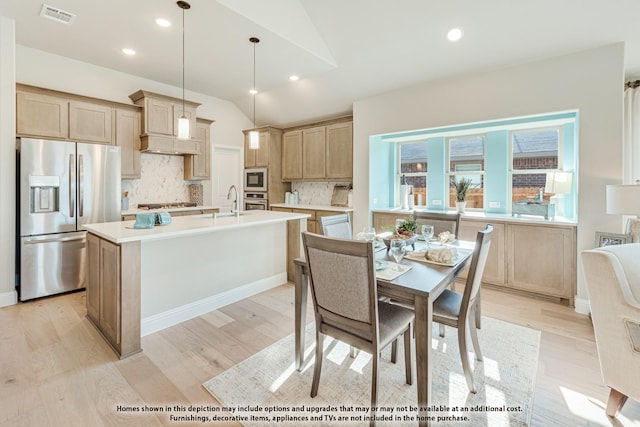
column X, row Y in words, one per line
column 409, row 241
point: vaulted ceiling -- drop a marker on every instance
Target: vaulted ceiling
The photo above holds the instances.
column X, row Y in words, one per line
column 343, row 50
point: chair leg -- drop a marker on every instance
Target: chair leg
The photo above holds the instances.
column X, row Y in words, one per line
column 464, row 356
column 407, row 355
column 394, row 351
column 352, row 352
column 615, row 403
column 374, row 385
column 441, row 326
column 318, row 364
column 474, row 338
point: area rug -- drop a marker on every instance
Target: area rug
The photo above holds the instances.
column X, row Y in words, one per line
column 266, row 390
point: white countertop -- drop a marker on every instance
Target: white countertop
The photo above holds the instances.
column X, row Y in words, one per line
column 478, row 215
column 123, row 231
column 312, row 207
column 134, row 211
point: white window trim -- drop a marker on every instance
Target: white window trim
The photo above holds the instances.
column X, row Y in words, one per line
column 480, row 173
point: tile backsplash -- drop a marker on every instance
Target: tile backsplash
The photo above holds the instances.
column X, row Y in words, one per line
column 315, row 193
column 162, row 180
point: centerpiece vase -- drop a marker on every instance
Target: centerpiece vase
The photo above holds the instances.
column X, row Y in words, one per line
column 461, row 206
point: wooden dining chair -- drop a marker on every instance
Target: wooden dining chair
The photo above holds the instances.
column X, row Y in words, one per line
column 346, row 306
column 441, row 221
column 456, row 309
column 336, row 226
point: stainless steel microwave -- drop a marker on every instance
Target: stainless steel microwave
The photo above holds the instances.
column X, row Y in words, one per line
column 255, row 179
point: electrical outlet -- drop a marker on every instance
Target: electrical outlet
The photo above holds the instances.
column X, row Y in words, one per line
column 375, row 201
column 494, row 204
column 436, row 202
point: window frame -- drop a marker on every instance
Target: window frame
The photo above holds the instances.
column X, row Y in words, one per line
column 480, row 173
column 399, row 172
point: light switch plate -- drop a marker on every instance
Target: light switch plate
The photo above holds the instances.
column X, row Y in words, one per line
column 436, row 202
column 494, row 204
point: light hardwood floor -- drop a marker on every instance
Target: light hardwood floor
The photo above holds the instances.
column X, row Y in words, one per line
column 55, row 370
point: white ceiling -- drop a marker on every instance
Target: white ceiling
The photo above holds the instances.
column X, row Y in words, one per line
column 343, row 50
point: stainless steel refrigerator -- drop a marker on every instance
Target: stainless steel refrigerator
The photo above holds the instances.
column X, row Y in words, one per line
column 61, row 186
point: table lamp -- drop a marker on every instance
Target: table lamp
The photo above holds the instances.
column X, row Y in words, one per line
column 559, row 184
column 625, row 200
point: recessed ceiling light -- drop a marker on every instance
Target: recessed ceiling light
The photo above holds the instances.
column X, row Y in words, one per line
column 294, row 78
column 129, row 52
column 253, row 91
column 455, row 34
column 163, row 22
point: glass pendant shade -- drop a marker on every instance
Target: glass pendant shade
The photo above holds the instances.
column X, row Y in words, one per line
column 183, row 128
column 254, row 139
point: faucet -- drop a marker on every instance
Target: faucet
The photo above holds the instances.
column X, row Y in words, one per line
column 235, row 208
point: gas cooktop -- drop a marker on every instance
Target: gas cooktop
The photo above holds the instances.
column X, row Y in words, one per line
column 166, row 205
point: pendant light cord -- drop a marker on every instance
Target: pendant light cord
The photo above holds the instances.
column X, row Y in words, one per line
column 254, row 84
column 183, row 63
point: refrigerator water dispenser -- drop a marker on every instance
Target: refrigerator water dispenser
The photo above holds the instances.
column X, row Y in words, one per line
column 45, row 192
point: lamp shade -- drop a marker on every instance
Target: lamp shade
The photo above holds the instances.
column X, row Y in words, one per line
column 183, row 128
column 254, row 140
column 558, row 183
column 623, row 199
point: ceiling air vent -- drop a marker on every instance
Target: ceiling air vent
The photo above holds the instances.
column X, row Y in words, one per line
column 56, row 14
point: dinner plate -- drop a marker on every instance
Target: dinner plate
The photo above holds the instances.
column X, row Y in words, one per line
column 381, row 264
column 419, row 256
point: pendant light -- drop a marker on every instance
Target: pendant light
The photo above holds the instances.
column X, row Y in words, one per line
column 183, row 121
column 254, row 135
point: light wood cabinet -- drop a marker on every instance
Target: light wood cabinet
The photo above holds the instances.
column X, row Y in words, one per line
column 198, row 166
column 386, row 221
column 160, row 114
column 339, row 154
column 323, row 152
column 42, row 115
column 257, row 158
column 292, row 155
column 113, row 292
column 90, row 122
column 542, row 260
column 132, row 217
column 314, row 153
column 127, row 137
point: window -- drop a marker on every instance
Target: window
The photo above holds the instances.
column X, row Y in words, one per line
column 413, row 165
column 534, row 152
column 466, row 160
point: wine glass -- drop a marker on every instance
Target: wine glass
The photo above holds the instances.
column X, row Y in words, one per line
column 369, row 234
column 397, row 249
column 427, row 233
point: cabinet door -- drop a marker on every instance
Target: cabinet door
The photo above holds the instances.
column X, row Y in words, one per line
column 158, row 117
column 340, row 151
column 249, row 154
column 42, row 115
column 110, row 291
column 262, row 153
column 494, row 270
column 314, row 153
column 383, row 221
column 93, row 278
column 292, row 155
column 197, row 166
column 90, row 122
column 541, row 259
column 128, row 138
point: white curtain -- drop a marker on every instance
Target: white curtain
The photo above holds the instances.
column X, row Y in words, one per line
column 631, row 146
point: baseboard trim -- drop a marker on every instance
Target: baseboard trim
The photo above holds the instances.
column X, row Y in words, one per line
column 177, row 315
column 582, row 306
column 8, row 298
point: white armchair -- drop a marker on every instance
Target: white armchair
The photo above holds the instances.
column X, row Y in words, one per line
column 613, row 282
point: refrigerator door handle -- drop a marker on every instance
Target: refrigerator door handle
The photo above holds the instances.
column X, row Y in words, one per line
column 52, row 240
column 80, row 185
column 72, row 185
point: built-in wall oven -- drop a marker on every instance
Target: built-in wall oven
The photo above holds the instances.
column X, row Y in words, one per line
column 255, row 179
column 255, row 201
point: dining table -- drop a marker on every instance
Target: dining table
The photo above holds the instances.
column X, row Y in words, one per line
column 419, row 286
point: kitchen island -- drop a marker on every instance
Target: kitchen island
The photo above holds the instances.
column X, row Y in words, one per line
column 140, row 281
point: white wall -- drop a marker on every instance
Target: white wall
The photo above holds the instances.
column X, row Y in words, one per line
column 38, row 68
column 7, row 162
column 590, row 81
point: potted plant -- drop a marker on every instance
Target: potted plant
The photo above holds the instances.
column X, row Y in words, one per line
column 462, row 187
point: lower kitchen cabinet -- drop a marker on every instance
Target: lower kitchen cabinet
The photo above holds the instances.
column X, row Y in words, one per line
column 113, row 293
column 494, row 270
column 386, row 221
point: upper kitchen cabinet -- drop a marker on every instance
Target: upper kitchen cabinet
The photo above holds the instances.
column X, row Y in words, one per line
column 46, row 113
column 198, row 166
column 270, row 145
column 340, row 151
column 127, row 137
column 160, row 114
column 321, row 152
